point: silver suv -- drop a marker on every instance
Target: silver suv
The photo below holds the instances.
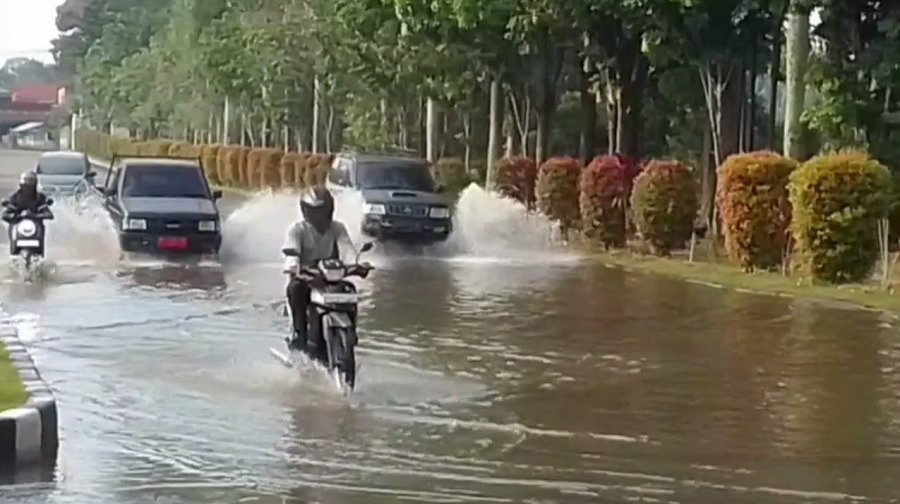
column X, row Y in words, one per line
column 402, row 202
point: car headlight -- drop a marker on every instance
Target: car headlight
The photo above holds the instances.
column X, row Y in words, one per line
column 207, row 225
column 135, row 225
column 439, row 213
column 374, row 209
column 26, row 228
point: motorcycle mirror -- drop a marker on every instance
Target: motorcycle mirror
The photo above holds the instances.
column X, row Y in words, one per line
column 366, row 247
column 290, row 252
column 49, row 201
column 4, row 203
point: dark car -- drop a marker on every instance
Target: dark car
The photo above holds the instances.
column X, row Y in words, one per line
column 401, row 200
column 60, row 173
column 162, row 205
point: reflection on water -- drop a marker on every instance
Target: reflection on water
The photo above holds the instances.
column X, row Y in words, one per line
column 177, row 277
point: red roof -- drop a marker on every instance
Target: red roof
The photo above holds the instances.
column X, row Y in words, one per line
column 44, row 93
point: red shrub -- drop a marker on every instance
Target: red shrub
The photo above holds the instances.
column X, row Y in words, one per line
column 605, row 188
column 515, row 178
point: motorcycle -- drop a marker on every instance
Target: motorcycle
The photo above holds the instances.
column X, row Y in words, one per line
column 333, row 311
column 27, row 231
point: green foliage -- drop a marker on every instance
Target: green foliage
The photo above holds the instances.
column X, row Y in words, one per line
column 753, row 204
column 837, row 201
column 557, row 191
column 604, row 192
column 451, row 174
column 664, row 205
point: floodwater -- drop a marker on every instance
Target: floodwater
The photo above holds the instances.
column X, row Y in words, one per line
column 494, row 369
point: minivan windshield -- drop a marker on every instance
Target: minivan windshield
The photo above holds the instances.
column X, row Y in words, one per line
column 409, row 175
column 68, row 165
column 162, row 181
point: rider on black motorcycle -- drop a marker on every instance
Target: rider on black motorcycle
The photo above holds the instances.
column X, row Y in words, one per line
column 315, row 238
column 26, row 197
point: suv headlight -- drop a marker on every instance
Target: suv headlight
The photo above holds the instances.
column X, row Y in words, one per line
column 135, row 225
column 374, row 209
column 439, row 213
column 207, row 225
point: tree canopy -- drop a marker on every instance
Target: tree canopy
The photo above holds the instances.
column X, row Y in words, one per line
column 637, row 77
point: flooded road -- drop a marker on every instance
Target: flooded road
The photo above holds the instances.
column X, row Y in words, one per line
column 490, row 373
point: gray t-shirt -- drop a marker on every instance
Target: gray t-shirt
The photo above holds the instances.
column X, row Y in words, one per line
column 314, row 246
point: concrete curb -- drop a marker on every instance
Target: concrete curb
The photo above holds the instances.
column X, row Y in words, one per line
column 29, row 433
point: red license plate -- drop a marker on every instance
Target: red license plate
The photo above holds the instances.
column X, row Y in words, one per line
column 171, row 243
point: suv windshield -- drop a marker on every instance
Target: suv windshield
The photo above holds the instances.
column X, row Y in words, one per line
column 61, row 166
column 408, row 175
column 154, row 181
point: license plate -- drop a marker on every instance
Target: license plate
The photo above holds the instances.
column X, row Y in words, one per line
column 28, row 243
column 171, row 243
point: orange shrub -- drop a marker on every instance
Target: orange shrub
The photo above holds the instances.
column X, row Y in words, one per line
column 222, row 164
column 604, row 193
column 753, row 204
column 557, row 191
column 317, row 168
column 515, row 178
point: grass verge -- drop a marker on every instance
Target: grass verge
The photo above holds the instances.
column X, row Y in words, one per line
column 725, row 275
column 12, row 393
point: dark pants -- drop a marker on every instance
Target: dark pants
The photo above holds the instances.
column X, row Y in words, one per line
column 305, row 337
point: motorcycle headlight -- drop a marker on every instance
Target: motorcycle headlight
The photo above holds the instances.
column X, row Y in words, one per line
column 26, row 228
column 439, row 213
column 135, row 225
column 207, row 225
column 374, row 209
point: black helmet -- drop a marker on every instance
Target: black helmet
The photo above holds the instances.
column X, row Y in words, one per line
column 317, row 206
column 28, row 180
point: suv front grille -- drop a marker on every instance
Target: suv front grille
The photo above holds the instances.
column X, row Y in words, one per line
column 173, row 226
column 407, row 210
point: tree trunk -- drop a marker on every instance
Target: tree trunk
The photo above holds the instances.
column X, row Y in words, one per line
column 496, row 124
column 431, row 124
column 586, row 144
column 797, row 52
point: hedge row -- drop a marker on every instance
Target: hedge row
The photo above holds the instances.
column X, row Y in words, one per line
column 824, row 212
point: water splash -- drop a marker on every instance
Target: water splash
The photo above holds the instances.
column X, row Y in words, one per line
column 486, row 227
column 82, row 232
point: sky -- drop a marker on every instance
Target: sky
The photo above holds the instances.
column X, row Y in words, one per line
column 27, row 29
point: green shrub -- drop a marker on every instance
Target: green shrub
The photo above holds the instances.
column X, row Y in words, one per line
column 451, row 173
column 664, row 205
column 557, row 191
column 753, row 205
column 603, row 201
column 837, row 201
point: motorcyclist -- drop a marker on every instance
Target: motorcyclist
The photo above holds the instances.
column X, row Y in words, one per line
column 318, row 236
column 26, row 197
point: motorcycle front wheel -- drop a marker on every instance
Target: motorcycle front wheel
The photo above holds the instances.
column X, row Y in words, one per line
column 343, row 355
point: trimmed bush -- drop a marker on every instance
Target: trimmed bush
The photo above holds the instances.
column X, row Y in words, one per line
column 288, row 168
column 222, row 164
column 317, row 168
column 209, row 155
column 753, row 204
column 451, row 173
column 557, row 191
column 253, row 169
column 515, row 178
column 837, row 201
column 269, row 168
column 603, row 201
column 664, row 205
